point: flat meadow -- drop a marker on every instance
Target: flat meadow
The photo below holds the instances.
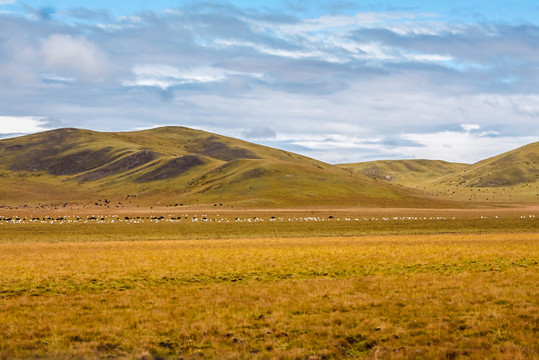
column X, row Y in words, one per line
column 325, row 284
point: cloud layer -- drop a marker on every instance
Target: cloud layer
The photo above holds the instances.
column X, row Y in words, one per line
column 339, row 86
column 21, row 125
column 73, row 56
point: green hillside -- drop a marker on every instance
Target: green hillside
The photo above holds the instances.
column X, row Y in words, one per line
column 405, row 172
column 512, row 177
column 516, row 167
column 176, row 165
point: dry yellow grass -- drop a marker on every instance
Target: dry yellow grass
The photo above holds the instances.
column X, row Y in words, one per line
column 402, row 297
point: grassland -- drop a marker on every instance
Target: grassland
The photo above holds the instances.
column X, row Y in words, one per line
column 174, row 243
column 227, row 224
column 292, row 289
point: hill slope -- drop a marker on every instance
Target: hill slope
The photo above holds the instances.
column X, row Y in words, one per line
column 515, row 167
column 405, row 172
column 509, row 177
column 173, row 165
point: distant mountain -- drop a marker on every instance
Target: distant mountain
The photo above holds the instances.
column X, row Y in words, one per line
column 519, row 166
column 177, row 165
column 509, row 177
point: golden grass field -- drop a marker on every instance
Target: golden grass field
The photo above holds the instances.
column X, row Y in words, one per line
column 174, row 243
column 422, row 284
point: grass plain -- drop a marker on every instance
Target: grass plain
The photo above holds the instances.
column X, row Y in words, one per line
column 374, row 283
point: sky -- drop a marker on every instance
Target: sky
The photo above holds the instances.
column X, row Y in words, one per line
column 339, row 81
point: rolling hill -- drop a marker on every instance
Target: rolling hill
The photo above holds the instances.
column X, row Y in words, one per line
column 405, row 172
column 177, row 165
column 509, row 177
column 516, row 167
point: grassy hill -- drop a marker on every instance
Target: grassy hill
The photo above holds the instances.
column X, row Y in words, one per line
column 176, row 165
column 405, row 172
column 519, row 166
column 509, row 177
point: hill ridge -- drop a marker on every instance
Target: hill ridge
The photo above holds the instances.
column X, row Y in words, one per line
column 179, row 164
column 512, row 176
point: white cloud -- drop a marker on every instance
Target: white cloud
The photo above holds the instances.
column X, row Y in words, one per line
column 122, row 23
column 326, row 37
column 427, row 28
column 354, row 145
column 461, row 146
column 75, row 56
column 336, row 23
column 7, row 2
column 165, row 76
column 470, row 127
column 22, row 124
column 335, row 87
column 358, row 51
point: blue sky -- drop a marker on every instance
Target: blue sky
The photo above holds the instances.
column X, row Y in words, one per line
column 341, row 81
column 455, row 10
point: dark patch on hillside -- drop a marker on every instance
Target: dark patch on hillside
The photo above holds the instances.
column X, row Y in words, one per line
column 70, row 164
column 43, row 152
column 215, row 175
column 79, row 162
column 213, row 148
column 42, row 145
column 172, row 168
column 226, row 174
column 229, row 172
column 122, row 165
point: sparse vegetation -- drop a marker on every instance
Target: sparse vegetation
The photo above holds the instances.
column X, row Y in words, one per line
column 429, row 296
